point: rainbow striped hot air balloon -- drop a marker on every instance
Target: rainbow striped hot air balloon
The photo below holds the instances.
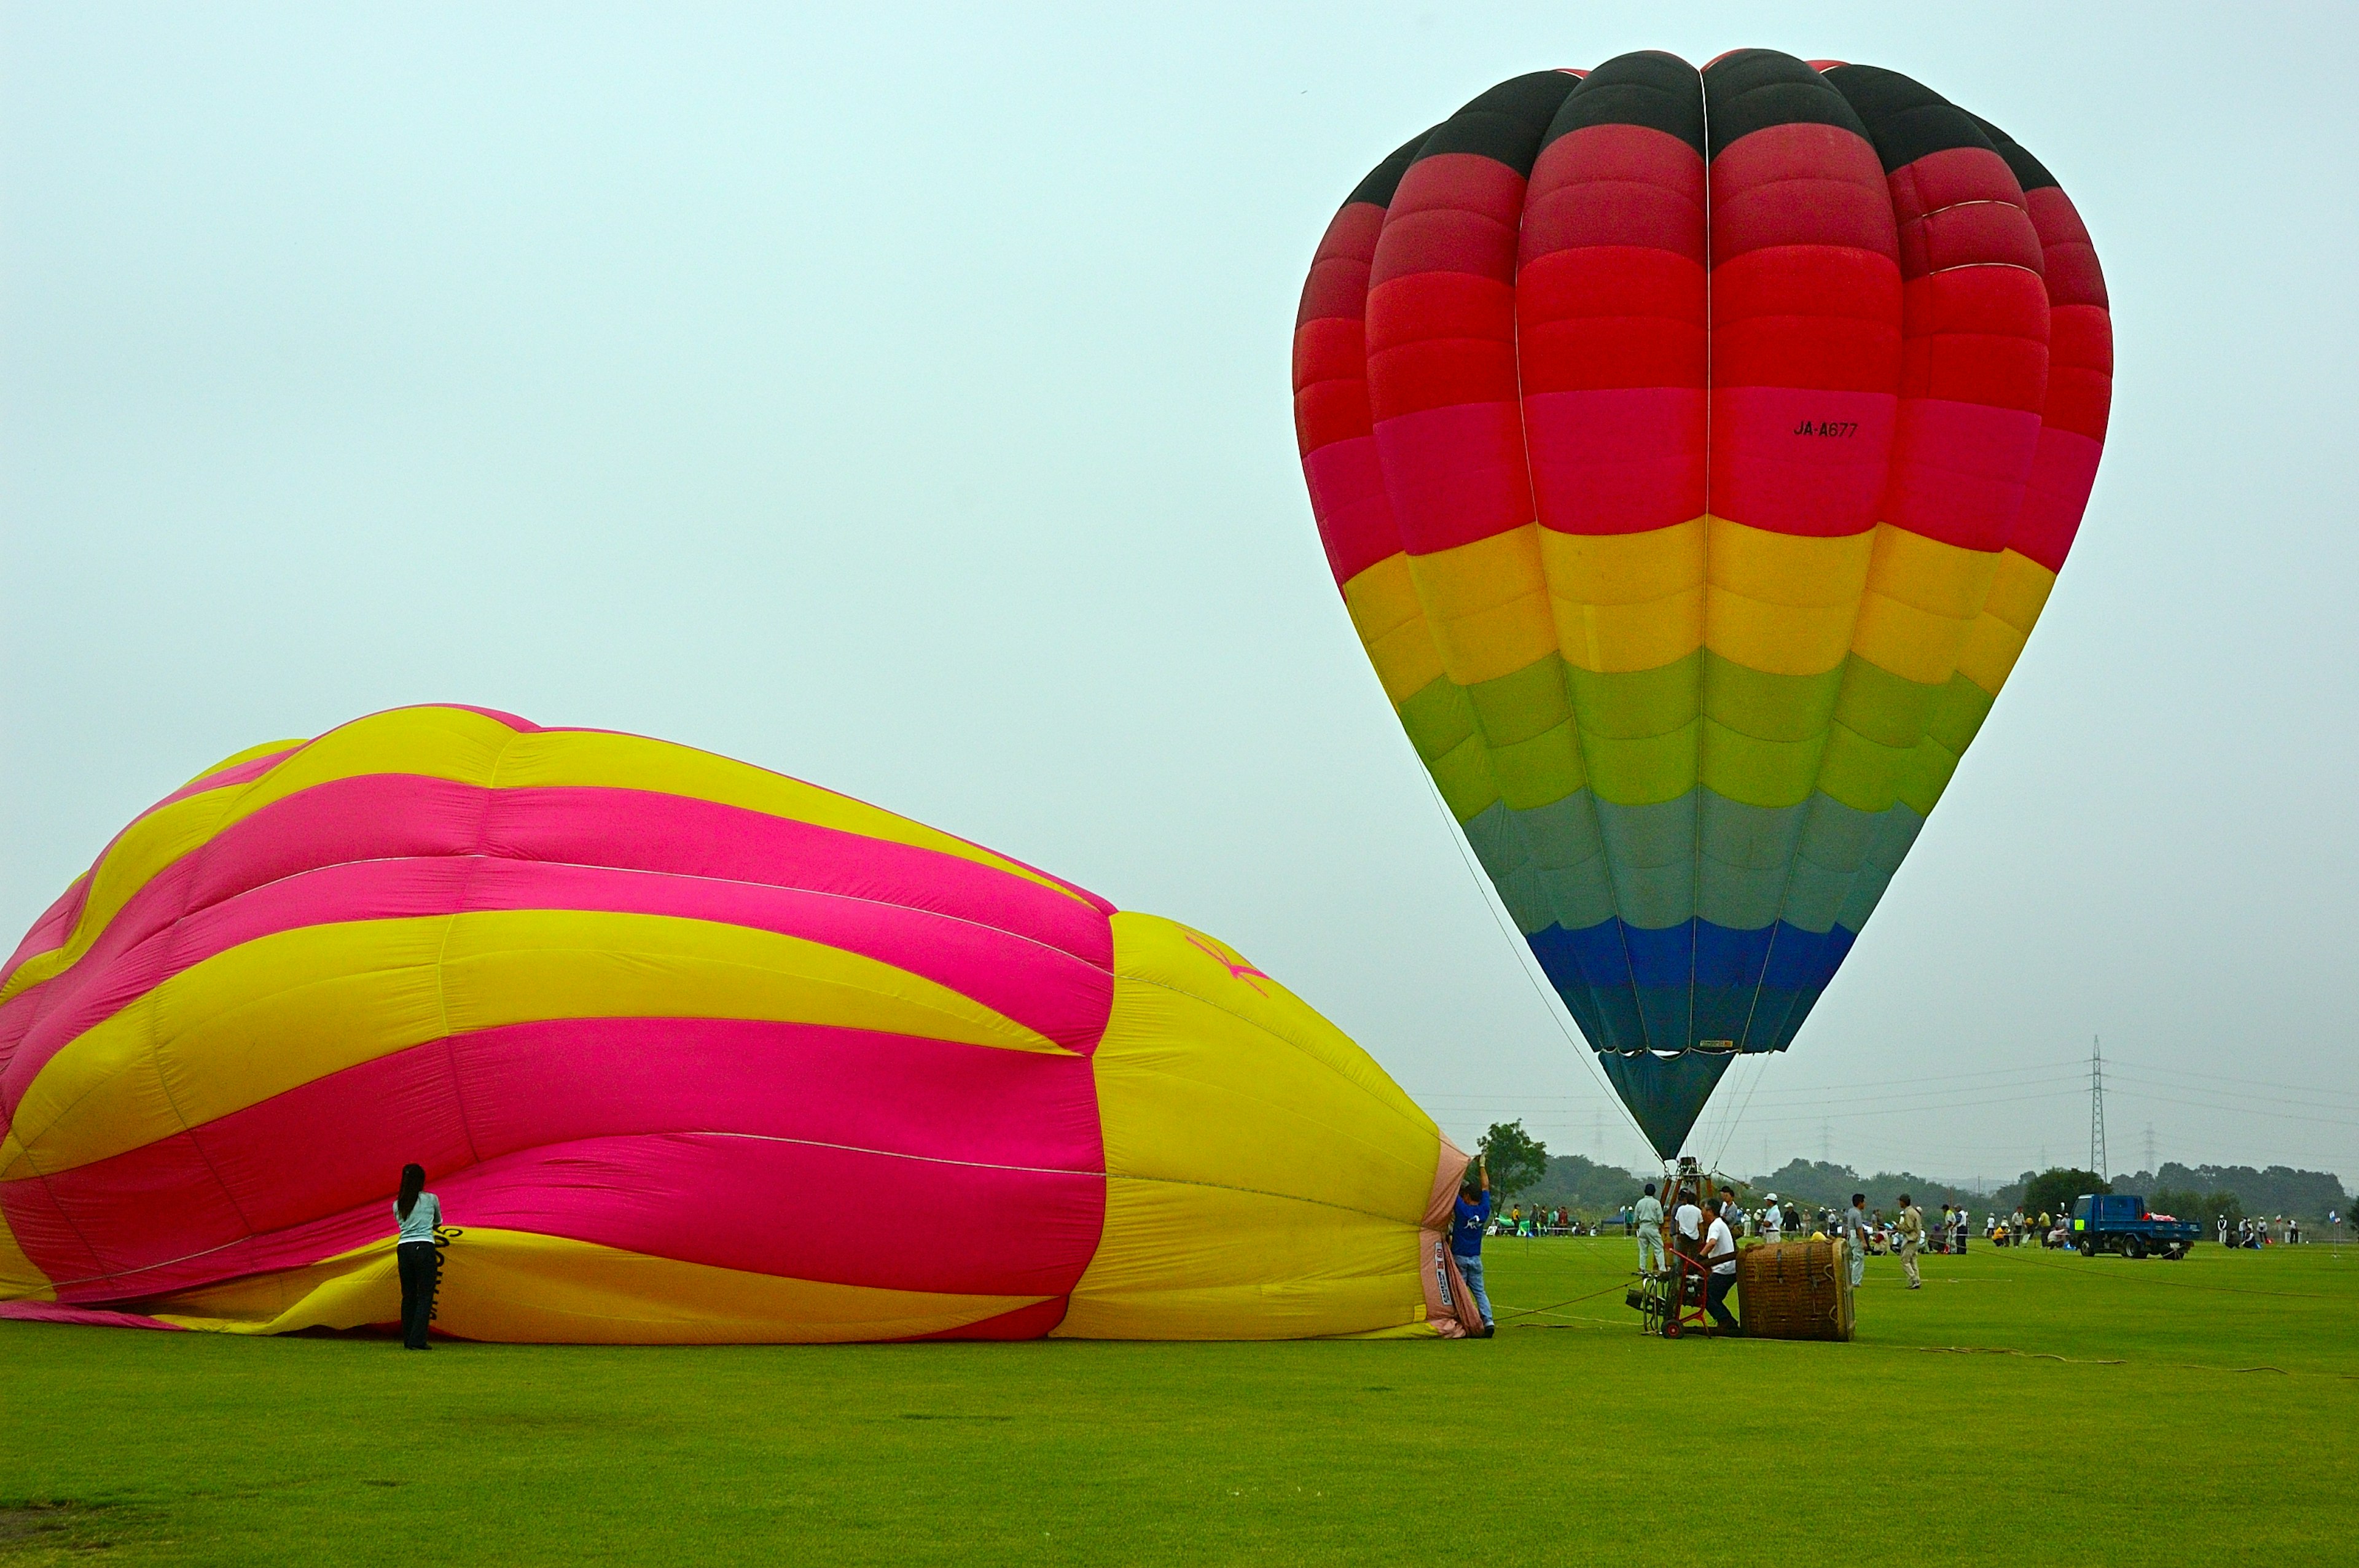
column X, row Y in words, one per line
column 1695, row 451
column 691, row 1051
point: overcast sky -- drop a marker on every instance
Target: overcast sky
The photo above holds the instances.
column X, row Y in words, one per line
column 898, row 399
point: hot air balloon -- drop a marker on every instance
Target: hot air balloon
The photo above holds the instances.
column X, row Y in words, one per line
column 691, row 1052
column 1695, row 451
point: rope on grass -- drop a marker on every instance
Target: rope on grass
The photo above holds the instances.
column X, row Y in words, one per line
column 1576, row 1301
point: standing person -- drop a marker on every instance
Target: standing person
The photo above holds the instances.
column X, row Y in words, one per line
column 1911, row 1228
column 418, row 1211
column 1646, row 1218
column 1720, row 1254
column 1773, row 1223
column 1854, row 1233
column 1469, row 1218
column 1686, row 1244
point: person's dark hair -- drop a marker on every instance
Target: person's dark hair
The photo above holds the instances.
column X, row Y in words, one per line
column 413, row 1182
column 1650, row 1189
column 1858, row 1198
column 1904, row 1200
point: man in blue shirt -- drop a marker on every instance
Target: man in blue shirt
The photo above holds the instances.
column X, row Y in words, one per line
column 1469, row 1219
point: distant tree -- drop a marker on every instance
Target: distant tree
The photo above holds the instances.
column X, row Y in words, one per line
column 2052, row 1191
column 1518, row 1159
column 1591, row 1190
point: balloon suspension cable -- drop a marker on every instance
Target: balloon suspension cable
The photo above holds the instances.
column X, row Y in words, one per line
column 1728, row 1135
column 1550, row 1001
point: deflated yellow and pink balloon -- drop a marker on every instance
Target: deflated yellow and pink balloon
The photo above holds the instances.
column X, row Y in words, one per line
column 691, row 1051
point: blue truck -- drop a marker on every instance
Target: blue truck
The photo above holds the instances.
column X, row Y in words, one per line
column 2120, row 1222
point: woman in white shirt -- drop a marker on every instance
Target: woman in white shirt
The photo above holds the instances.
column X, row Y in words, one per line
column 418, row 1211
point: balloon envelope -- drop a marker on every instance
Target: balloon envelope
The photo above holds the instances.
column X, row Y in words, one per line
column 690, row 1051
column 1695, row 451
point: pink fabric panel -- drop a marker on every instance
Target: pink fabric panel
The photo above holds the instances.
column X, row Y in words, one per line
column 334, row 1147
column 1618, row 459
column 1958, row 470
column 1355, row 515
column 2062, row 474
column 1764, row 476
column 1455, row 474
column 394, row 816
column 797, row 1210
column 44, row 1233
column 137, row 1209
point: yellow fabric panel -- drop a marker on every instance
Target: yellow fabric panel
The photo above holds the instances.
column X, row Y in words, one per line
column 1204, row 1057
column 518, row 1287
column 289, row 1008
column 235, row 758
column 2020, row 590
column 1383, row 604
column 1213, row 1084
column 1941, row 579
column 523, row 966
column 1992, row 647
column 19, row 1280
column 1612, row 639
column 1486, row 604
column 1774, row 638
column 1190, row 1261
column 1787, row 569
column 1626, row 601
column 1907, row 642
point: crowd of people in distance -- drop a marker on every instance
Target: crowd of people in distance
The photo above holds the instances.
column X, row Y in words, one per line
column 2280, row 1231
column 1539, row 1219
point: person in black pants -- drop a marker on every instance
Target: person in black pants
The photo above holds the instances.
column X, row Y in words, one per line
column 1720, row 1253
column 420, row 1212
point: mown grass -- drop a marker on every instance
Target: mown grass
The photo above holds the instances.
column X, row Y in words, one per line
column 2154, row 1412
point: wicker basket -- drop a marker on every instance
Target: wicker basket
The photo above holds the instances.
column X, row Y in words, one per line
column 1794, row 1290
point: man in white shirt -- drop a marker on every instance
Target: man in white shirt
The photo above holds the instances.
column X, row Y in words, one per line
column 1773, row 1222
column 1720, row 1256
column 1647, row 1216
column 1687, row 1243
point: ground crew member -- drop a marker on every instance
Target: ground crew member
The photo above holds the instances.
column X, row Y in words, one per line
column 1720, row 1254
column 1648, row 1217
column 1773, row 1222
column 1854, row 1233
column 1469, row 1217
column 1912, row 1234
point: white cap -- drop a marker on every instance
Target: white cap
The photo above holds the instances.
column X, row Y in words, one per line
column 1773, row 1197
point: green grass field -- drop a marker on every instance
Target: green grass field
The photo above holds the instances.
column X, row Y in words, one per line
column 2023, row 1407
